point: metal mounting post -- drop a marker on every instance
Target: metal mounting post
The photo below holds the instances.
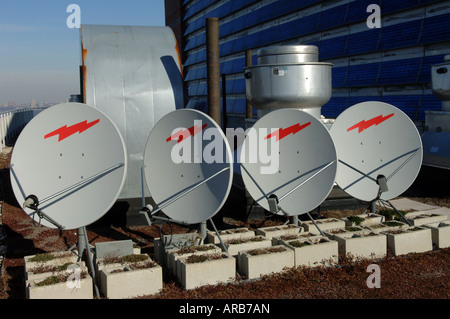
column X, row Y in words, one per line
column 217, row 233
column 320, row 231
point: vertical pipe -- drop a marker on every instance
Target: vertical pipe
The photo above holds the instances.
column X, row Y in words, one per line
column 248, row 62
column 81, row 83
column 213, row 68
column 224, row 102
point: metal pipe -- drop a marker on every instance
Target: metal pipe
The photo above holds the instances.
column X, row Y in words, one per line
column 218, row 236
column 249, row 107
column 320, row 231
column 89, row 258
column 224, row 102
column 213, row 68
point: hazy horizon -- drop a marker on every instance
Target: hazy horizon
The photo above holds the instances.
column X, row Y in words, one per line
column 40, row 55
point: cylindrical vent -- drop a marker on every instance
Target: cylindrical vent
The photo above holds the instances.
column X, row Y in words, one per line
column 289, row 77
column 288, row 54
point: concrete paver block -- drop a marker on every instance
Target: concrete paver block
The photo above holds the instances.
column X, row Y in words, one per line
column 314, row 251
column 229, row 234
column 276, row 231
column 414, row 239
column 440, row 234
column 253, row 266
column 209, row 272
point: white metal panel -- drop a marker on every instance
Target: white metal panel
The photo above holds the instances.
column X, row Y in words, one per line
column 132, row 74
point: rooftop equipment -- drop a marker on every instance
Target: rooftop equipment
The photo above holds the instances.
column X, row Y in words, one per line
column 379, row 151
column 289, row 77
column 436, row 138
column 289, row 86
column 133, row 75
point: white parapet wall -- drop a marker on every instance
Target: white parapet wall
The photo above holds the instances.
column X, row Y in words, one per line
column 12, row 123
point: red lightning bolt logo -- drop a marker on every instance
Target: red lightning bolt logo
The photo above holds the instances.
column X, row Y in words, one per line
column 182, row 134
column 363, row 125
column 65, row 131
column 282, row 133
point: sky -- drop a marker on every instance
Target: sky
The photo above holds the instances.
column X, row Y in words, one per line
column 40, row 55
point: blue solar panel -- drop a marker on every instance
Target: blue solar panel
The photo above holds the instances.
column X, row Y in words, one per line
column 283, row 7
column 224, row 9
column 225, row 48
column 338, row 76
column 202, row 89
column 239, row 106
column 308, row 24
column 428, row 61
column 227, row 67
column 403, row 71
column 429, row 103
column 239, row 86
column 191, row 59
column 190, row 44
column 238, row 24
column 266, row 13
column 352, row 100
column 300, row 4
column 400, row 35
column 198, row 104
column 422, row 2
column 333, row 17
column 333, row 48
column 238, row 65
column 191, row 74
column 363, row 42
column 436, row 29
column 284, row 31
column 192, row 89
column 269, row 36
column 334, row 107
column 357, row 10
column 362, row 75
column 397, row 5
column 251, row 19
column 226, row 29
column 235, row 86
column 251, row 41
column 409, row 104
column 238, row 45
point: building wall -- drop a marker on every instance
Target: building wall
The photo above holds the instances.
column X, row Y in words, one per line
column 173, row 13
column 390, row 64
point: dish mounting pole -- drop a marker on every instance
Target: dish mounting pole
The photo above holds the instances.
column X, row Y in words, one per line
column 382, row 183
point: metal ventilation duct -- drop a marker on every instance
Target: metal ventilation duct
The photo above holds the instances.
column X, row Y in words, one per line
column 289, row 77
column 132, row 74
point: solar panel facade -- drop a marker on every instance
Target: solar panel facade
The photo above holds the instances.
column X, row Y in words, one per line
column 391, row 63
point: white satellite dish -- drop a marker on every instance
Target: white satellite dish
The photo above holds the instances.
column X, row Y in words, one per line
column 379, row 151
column 306, row 156
column 68, row 166
column 187, row 166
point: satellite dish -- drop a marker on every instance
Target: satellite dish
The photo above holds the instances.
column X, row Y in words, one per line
column 304, row 151
column 187, row 166
column 68, row 166
column 379, row 151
